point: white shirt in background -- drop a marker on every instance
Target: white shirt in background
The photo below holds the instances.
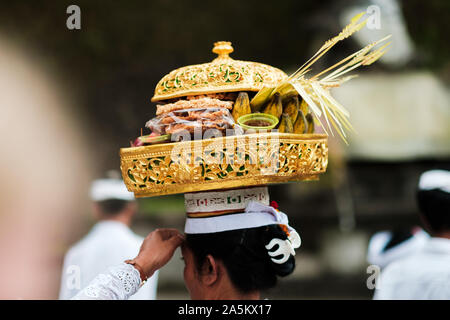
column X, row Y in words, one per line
column 421, row 276
column 109, row 243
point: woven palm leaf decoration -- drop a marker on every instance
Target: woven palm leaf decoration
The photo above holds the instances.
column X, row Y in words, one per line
column 315, row 90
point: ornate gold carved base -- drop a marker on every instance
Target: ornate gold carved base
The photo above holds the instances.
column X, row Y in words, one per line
column 223, row 163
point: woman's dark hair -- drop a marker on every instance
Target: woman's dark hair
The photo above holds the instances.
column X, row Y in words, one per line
column 244, row 255
column 435, row 207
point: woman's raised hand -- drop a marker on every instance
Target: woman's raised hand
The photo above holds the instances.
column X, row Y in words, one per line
column 157, row 249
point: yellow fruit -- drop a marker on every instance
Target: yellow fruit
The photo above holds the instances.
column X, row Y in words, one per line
column 287, row 91
column 241, row 106
column 286, row 125
column 304, row 107
column 310, row 121
column 260, row 99
column 274, row 107
column 300, row 124
column 291, row 107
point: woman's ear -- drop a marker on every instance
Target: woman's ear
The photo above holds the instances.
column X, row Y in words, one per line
column 210, row 270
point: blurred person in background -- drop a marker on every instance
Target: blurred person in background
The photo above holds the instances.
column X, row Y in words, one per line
column 424, row 274
column 109, row 242
column 388, row 246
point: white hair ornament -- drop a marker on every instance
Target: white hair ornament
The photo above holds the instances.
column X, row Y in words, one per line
column 285, row 247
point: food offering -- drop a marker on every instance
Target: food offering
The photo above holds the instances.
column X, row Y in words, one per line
column 258, row 122
column 196, row 113
column 231, row 123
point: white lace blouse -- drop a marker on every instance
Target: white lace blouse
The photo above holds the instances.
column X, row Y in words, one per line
column 118, row 283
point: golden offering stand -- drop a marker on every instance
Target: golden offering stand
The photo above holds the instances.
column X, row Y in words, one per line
column 223, row 163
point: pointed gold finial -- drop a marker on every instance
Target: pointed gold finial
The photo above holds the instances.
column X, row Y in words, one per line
column 222, row 49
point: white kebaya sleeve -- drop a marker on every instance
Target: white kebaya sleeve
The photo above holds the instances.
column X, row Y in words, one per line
column 118, row 283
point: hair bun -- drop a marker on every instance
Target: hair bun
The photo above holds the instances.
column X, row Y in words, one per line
column 280, row 252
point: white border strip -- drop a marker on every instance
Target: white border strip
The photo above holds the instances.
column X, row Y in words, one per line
column 218, row 201
column 256, row 215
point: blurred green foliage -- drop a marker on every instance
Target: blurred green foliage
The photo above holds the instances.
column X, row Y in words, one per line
column 172, row 205
column 429, row 27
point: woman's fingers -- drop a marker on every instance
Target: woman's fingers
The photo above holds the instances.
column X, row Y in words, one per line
column 158, row 248
column 176, row 240
column 168, row 233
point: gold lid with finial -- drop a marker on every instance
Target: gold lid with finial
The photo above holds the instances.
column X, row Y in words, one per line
column 223, row 74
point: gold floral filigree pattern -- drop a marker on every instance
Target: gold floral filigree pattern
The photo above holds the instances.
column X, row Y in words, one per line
column 222, row 163
column 223, row 74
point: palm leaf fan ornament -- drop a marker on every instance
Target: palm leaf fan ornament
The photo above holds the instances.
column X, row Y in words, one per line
column 316, row 89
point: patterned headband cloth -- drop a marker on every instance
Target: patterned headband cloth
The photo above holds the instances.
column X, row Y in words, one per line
column 216, row 203
column 240, row 209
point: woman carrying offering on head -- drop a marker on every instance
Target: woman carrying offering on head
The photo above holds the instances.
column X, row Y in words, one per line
column 235, row 245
